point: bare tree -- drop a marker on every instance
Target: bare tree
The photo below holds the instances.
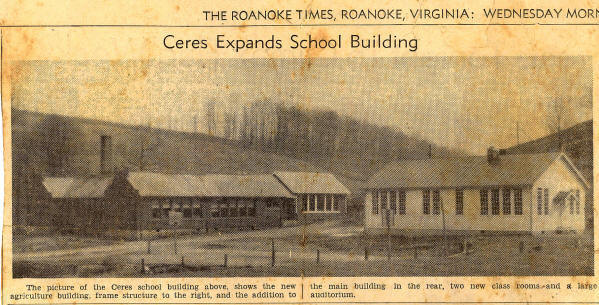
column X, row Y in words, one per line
column 210, row 116
column 281, row 132
column 146, row 147
column 556, row 115
column 58, row 138
column 245, row 122
column 230, row 121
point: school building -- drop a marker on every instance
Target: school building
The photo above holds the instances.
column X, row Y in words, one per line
column 149, row 201
column 529, row 193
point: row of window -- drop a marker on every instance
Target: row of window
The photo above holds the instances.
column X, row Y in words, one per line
column 426, row 202
column 320, row 202
column 543, row 202
column 505, row 206
column 396, row 201
column 192, row 208
column 234, row 208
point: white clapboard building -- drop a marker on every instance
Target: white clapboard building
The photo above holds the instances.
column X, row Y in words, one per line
column 508, row 193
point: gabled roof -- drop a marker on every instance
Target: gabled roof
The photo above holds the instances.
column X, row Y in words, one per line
column 69, row 187
column 169, row 185
column 248, row 186
column 152, row 184
column 561, row 196
column 475, row 171
column 311, row 182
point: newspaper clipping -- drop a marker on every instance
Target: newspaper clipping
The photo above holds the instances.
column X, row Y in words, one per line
column 192, row 152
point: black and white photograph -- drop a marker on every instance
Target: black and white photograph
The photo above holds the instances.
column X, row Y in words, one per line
column 289, row 167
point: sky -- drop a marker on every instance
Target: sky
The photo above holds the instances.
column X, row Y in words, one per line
column 465, row 103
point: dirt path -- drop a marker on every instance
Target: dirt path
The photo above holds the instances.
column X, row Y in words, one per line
column 186, row 245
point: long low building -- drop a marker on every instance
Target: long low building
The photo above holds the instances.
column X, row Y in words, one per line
column 509, row 193
column 138, row 201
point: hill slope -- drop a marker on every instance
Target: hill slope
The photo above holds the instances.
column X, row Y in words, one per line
column 133, row 147
column 46, row 144
column 577, row 142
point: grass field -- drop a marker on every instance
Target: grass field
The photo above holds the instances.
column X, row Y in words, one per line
column 340, row 251
column 56, row 242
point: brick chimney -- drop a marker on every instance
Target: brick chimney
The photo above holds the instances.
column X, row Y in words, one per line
column 493, row 154
column 105, row 154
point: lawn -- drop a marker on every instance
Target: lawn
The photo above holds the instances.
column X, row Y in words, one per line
column 24, row 243
column 249, row 254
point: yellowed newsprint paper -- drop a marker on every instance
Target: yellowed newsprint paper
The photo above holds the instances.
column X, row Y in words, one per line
column 291, row 152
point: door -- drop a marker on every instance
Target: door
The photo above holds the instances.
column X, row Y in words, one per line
column 289, row 210
column 388, row 204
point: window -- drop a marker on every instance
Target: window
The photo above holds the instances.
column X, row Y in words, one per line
column 507, row 201
column 166, row 208
column 252, row 208
column 304, row 199
column 187, row 208
column 242, row 206
column 546, row 199
column 224, row 209
column 577, row 201
column 484, row 202
column 571, row 204
column 214, row 209
column 336, row 200
column 495, row 201
column 401, row 199
column 436, row 202
column 329, row 202
column 426, row 202
column 375, row 202
column 459, row 202
column 312, row 199
column 518, row 202
column 232, row 207
column 393, row 202
column 320, row 202
column 540, row 201
column 197, row 210
column 272, row 203
column 176, row 204
column 155, row 212
column 383, row 200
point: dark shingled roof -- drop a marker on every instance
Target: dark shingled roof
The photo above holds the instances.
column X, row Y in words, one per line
column 475, row 171
column 311, row 183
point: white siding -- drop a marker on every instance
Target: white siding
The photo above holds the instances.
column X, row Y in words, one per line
column 558, row 177
column 414, row 219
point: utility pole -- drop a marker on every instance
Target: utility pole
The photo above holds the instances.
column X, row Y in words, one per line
column 518, row 120
column 518, row 132
column 388, row 219
column 304, row 219
column 444, row 228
